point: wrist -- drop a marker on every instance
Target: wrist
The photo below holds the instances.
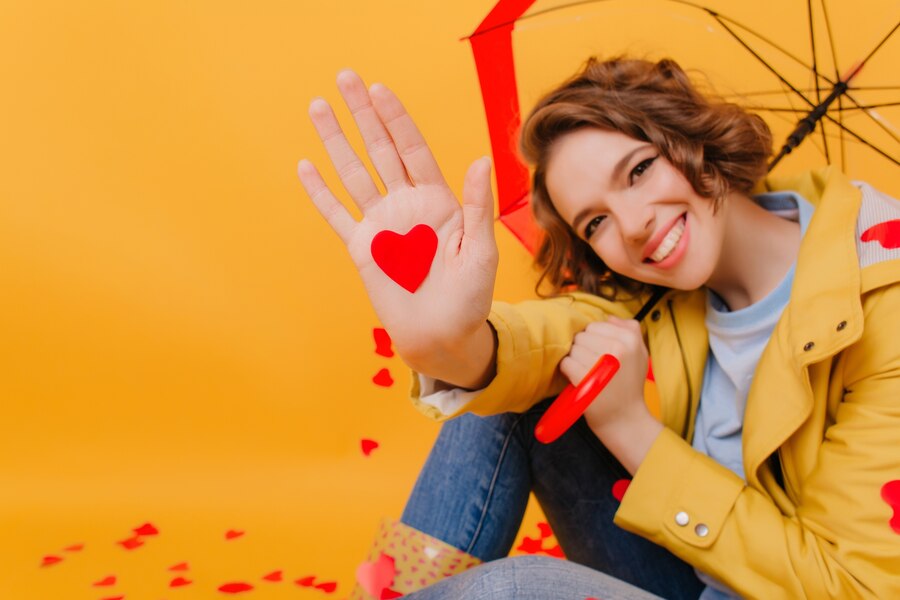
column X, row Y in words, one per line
column 630, row 434
column 467, row 361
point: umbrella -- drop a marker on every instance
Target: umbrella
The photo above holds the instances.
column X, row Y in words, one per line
column 822, row 73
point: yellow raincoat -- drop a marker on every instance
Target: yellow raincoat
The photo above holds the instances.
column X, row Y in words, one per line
column 825, row 402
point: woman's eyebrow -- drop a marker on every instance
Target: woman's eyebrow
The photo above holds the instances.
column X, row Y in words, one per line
column 616, row 173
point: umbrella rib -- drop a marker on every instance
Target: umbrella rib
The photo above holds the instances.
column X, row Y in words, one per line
column 812, row 43
column 815, row 74
column 782, row 109
column 864, row 141
column 873, row 117
column 880, row 44
column 763, row 61
column 837, row 75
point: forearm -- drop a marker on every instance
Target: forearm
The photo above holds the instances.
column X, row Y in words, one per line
column 629, row 436
column 468, row 362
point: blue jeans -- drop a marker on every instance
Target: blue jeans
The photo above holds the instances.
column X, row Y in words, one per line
column 473, row 490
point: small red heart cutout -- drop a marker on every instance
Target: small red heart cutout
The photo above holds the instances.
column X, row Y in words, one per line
column 530, row 545
column 146, row 529
column 545, row 529
column 327, row 587
column 890, row 493
column 375, row 577
column 887, row 234
column 132, row 543
column 406, row 258
column 74, row 548
column 233, row 533
column 368, row 446
column 179, row 582
column 50, row 560
column 110, row 580
column 114, row 598
column 235, row 588
column 383, row 378
column 179, row 567
column 306, row 581
column 382, row 342
column 619, row 488
column 273, row 576
column 555, row 552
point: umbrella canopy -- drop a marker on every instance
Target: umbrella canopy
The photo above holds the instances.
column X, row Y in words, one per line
column 823, row 74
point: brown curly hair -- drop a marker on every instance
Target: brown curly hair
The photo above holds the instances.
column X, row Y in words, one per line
column 718, row 146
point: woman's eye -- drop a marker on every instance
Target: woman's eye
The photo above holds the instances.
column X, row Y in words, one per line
column 642, row 167
column 591, row 226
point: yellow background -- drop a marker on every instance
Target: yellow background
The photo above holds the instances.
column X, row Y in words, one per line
column 184, row 340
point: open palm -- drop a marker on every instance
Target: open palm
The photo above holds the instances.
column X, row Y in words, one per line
column 454, row 298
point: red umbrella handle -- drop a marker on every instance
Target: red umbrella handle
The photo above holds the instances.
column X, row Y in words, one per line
column 573, row 401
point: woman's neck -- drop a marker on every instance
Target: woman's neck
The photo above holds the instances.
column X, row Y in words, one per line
column 757, row 251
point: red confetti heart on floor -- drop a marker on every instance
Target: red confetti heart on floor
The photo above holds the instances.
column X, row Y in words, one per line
column 545, row 529
column 887, row 234
column 327, row 587
column 273, row 576
column 382, row 342
column 383, row 378
column 555, row 552
column 368, row 446
column 389, row 594
column 179, row 567
column 50, row 560
column 180, row 582
column 146, row 529
column 406, row 258
column 114, row 598
column 74, row 548
column 890, row 493
column 132, row 543
column 233, row 533
column 306, row 581
column 619, row 488
column 110, row 580
column 376, row 576
column 530, row 545
column 235, row 588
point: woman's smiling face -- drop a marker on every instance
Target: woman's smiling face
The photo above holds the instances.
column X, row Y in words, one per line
column 638, row 212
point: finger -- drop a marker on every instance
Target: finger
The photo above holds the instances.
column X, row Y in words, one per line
column 478, row 202
column 333, row 211
column 411, row 146
column 378, row 141
column 350, row 169
column 573, row 369
column 587, row 357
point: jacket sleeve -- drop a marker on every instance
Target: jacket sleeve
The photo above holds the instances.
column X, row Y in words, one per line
column 532, row 338
column 843, row 539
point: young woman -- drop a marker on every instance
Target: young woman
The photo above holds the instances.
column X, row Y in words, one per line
column 773, row 471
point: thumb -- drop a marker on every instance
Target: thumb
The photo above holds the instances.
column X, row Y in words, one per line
column 478, row 202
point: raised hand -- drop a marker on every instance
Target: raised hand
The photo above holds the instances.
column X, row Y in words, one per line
column 452, row 303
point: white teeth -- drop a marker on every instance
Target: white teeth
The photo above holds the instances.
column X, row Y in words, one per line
column 669, row 242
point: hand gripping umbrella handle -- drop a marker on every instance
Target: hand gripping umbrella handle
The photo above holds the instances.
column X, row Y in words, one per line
column 573, row 401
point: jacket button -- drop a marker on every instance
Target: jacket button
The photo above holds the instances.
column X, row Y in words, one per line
column 841, row 325
column 701, row 530
column 682, row 518
column 655, row 315
column 809, row 346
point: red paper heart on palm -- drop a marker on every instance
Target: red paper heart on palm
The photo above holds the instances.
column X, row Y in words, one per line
column 406, row 258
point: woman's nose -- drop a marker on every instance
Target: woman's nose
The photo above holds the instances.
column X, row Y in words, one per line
column 636, row 224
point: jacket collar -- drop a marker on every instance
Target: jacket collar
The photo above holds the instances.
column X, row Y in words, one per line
column 828, row 274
